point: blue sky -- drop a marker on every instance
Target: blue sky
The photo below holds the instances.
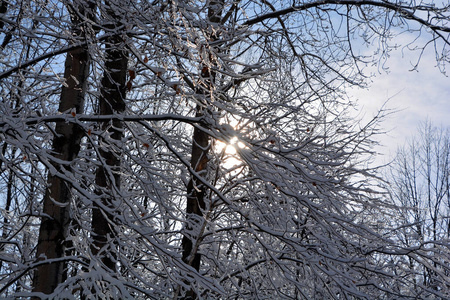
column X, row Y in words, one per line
column 417, row 95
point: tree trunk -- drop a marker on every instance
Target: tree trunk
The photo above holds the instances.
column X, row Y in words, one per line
column 66, row 145
column 195, row 202
column 196, row 191
column 3, row 10
column 112, row 100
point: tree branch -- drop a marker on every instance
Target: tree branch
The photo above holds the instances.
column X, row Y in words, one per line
column 102, row 118
column 406, row 12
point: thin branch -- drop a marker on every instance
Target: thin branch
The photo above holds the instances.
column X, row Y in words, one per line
column 406, row 12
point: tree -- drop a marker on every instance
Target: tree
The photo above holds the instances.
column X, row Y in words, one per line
column 111, row 101
column 53, row 231
column 420, row 177
column 158, row 208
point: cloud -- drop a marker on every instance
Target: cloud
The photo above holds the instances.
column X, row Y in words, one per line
column 418, row 95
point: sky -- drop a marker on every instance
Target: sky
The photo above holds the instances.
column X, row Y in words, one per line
column 416, row 96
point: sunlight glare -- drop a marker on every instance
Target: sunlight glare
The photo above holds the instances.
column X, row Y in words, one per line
column 231, row 157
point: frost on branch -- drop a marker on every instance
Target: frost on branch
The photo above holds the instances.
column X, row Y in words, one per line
column 114, row 181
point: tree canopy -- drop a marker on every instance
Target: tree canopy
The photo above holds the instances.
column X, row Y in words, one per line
column 203, row 149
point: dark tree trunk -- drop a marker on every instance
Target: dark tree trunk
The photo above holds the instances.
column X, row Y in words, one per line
column 3, row 10
column 66, row 145
column 195, row 193
column 112, row 100
column 195, row 202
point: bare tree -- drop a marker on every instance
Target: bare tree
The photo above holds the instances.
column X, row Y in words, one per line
column 66, row 145
column 111, row 101
column 197, row 202
column 419, row 184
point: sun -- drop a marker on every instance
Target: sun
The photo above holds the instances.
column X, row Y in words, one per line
column 228, row 152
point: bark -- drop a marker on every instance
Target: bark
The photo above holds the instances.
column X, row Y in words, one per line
column 3, row 10
column 195, row 200
column 112, row 100
column 195, row 193
column 56, row 202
